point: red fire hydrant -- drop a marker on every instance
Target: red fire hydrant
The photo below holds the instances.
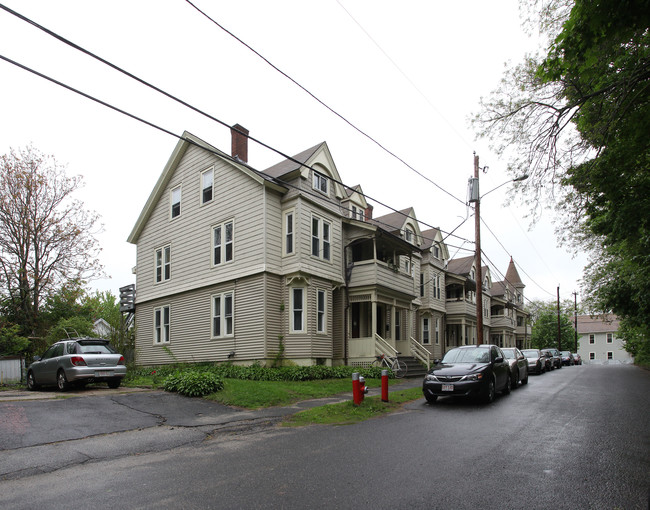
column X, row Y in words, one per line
column 359, row 389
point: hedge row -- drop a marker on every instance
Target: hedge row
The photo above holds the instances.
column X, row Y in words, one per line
column 258, row 372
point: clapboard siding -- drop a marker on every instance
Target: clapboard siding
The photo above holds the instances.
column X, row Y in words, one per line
column 191, row 322
column 237, row 197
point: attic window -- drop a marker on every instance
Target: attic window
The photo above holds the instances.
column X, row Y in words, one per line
column 176, row 202
column 207, row 182
column 320, row 182
column 436, row 251
column 408, row 235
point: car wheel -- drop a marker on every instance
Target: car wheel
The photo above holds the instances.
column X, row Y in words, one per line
column 490, row 392
column 114, row 383
column 62, row 381
column 431, row 398
column 508, row 387
column 31, row 382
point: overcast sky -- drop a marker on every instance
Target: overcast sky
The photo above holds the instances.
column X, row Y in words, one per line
column 408, row 74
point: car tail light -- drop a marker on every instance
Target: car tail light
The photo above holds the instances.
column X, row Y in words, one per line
column 121, row 361
column 78, row 361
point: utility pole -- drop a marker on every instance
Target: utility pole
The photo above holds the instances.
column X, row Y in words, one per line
column 575, row 318
column 559, row 327
column 479, row 271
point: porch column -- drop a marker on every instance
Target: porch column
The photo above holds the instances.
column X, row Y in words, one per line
column 373, row 318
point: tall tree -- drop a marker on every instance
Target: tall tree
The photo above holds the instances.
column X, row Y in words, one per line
column 46, row 236
column 576, row 120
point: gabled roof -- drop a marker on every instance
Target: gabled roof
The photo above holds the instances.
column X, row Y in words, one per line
column 289, row 165
column 461, row 266
column 168, row 171
column 393, row 221
column 597, row 323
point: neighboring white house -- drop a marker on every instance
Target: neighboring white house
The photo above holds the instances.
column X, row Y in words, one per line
column 598, row 341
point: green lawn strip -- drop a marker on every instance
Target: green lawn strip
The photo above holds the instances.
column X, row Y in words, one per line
column 259, row 394
column 346, row 413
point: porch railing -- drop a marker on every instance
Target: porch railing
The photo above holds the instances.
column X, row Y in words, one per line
column 383, row 347
column 420, row 352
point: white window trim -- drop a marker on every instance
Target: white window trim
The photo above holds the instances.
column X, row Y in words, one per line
column 322, row 331
column 222, row 225
column 320, row 237
column 171, row 202
column 167, row 338
column 427, row 321
column 292, row 310
column 163, row 249
column 609, row 338
column 201, row 201
column 285, row 232
column 437, row 330
column 222, row 315
column 321, row 178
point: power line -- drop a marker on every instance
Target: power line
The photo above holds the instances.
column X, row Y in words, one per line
column 340, row 116
column 166, row 94
column 180, row 137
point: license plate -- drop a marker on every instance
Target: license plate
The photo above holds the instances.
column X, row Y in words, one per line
column 447, row 387
column 103, row 373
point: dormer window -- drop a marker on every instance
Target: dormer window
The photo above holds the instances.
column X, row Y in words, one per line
column 436, row 251
column 320, row 182
column 408, row 235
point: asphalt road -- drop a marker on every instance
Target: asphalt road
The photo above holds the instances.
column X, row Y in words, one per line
column 573, row 438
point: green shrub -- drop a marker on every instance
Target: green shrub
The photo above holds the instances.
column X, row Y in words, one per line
column 193, row 383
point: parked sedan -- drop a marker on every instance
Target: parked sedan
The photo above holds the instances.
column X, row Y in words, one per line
column 537, row 361
column 518, row 365
column 548, row 360
column 577, row 358
column 77, row 361
column 557, row 358
column 469, row 370
column 567, row 358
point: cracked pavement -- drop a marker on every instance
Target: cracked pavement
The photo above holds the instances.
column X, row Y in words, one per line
column 45, row 431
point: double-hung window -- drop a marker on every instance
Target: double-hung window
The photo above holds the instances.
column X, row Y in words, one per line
column 176, row 202
column 422, row 284
column 426, row 339
column 437, row 332
column 288, row 232
column 610, row 338
column 592, row 339
column 161, row 325
column 320, row 238
column 320, row 182
column 223, row 236
column 163, row 267
column 297, row 309
column 207, row 185
column 320, row 312
column 222, row 314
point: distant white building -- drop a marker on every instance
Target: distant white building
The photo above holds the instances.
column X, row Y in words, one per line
column 598, row 340
column 102, row 328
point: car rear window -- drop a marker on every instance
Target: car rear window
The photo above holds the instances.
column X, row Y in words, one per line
column 95, row 348
column 530, row 354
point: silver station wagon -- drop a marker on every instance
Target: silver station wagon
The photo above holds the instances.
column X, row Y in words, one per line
column 77, row 361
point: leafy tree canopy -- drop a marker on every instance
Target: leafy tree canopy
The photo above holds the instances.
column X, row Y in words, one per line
column 576, row 120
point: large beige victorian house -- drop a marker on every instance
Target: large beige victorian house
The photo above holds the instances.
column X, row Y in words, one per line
column 244, row 265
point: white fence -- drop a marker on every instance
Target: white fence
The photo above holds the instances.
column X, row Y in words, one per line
column 11, row 369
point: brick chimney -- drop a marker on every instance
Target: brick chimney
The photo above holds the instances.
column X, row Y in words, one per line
column 239, row 145
column 368, row 212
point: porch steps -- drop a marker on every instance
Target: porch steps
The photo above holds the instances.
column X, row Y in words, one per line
column 413, row 367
